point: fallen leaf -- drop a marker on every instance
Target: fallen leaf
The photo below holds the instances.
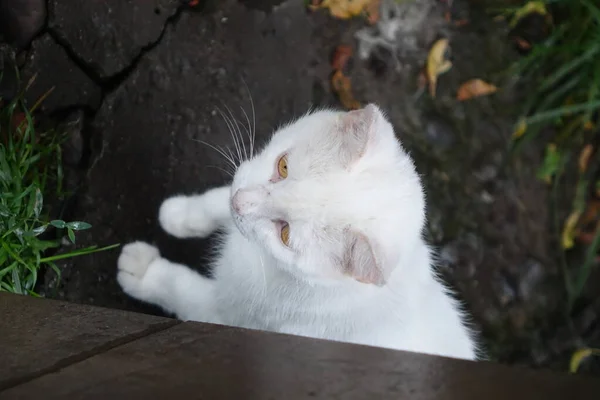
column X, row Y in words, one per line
column 580, row 355
column 475, row 88
column 461, row 22
column 589, row 126
column 522, row 43
column 372, row 10
column 584, row 157
column 345, row 9
column 568, row 234
column 343, row 88
column 530, row 7
column 552, row 162
column 437, row 63
column 341, row 56
column 520, row 129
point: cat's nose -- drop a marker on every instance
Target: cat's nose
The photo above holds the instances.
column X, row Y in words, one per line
column 248, row 201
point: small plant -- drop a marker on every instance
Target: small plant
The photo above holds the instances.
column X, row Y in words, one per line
column 563, row 72
column 30, row 168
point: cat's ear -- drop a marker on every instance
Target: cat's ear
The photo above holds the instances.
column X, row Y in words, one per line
column 356, row 129
column 359, row 260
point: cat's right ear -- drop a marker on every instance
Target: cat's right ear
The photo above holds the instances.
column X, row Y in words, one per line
column 356, row 129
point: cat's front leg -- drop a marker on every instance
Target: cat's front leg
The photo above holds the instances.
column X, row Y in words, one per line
column 144, row 275
column 196, row 216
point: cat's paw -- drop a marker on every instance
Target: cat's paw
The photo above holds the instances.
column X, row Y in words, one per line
column 132, row 266
column 182, row 217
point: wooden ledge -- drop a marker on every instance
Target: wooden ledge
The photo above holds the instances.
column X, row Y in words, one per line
column 52, row 349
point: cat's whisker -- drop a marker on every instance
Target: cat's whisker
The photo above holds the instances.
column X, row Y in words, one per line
column 229, row 173
column 253, row 130
column 248, row 132
column 218, row 150
column 238, row 132
column 233, row 135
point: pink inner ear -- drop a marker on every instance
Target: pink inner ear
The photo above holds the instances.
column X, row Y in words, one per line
column 356, row 129
column 360, row 261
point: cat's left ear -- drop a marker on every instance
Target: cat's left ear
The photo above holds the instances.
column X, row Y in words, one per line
column 360, row 260
column 356, row 129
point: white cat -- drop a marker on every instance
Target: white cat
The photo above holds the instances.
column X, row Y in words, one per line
column 322, row 238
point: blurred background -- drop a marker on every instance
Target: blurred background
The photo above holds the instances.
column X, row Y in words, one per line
column 104, row 104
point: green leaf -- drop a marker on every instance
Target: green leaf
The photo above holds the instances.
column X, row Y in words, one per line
column 57, row 223
column 78, row 225
column 38, row 231
column 552, row 163
column 17, row 281
column 39, row 203
column 71, row 235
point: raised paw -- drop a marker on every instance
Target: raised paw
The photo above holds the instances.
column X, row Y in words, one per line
column 183, row 217
column 132, row 265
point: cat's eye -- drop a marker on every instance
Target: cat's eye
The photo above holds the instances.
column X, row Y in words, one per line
column 285, row 233
column 282, row 168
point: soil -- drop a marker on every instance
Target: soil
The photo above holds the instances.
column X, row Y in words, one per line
column 140, row 84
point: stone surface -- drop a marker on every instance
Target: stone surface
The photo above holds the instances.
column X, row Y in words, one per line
column 488, row 213
column 21, row 20
column 42, row 335
column 109, row 35
column 215, row 362
column 54, row 69
column 10, row 80
column 147, row 131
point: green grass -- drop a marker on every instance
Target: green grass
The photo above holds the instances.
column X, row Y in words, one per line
column 563, row 73
column 30, row 169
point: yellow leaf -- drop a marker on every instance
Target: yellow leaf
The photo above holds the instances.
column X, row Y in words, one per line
column 568, row 234
column 343, row 88
column 579, row 356
column 584, row 157
column 475, row 88
column 520, row 129
column 531, row 7
column 345, row 9
column 437, row 63
column 589, row 126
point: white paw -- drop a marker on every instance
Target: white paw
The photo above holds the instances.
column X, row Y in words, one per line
column 183, row 217
column 133, row 264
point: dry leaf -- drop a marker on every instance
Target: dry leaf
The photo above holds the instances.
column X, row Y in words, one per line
column 461, row 22
column 520, row 129
column 522, row 43
column 475, row 88
column 568, row 234
column 437, row 63
column 584, row 157
column 343, row 88
column 372, row 10
column 345, row 9
column 580, row 355
column 341, row 56
column 531, row 7
column 589, row 126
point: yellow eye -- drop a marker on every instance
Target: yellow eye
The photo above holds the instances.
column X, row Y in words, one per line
column 282, row 167
column 285, row 234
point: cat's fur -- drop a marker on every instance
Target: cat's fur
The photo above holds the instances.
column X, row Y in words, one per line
column 356, row 269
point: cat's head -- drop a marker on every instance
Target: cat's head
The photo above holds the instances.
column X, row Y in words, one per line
column 332, row 196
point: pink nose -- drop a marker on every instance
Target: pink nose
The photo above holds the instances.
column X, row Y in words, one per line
column 248, row 201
